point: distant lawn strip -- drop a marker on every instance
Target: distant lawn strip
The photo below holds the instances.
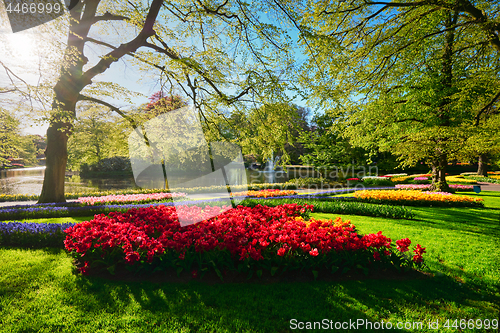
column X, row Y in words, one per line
column 340, row 205
column 40, row 291
column 491, row 179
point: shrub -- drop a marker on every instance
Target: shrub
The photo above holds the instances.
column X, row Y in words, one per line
column 115, row 163
column 379, row 181
column 34, row 235
column 488, row 179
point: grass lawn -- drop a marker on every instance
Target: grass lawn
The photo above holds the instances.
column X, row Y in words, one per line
column 40, row 293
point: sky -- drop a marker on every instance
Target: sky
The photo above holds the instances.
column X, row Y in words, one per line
column 25, row 53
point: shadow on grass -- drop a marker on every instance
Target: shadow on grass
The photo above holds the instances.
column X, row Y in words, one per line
column 269, row 308
column 480, row 221
column 95, row 304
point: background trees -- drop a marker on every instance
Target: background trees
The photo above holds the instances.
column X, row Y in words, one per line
column 15, row 145
column 8, row 137
column 270, row 131
column 410, row 78
column 97, row 134
column 327, row 147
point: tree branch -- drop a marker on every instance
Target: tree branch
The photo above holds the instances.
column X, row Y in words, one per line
column 112, row 107
column 146, row 32
column 486, row 107
column 108, row 17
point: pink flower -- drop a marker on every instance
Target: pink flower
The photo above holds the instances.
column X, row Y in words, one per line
column 132, row 257
column 403, row 244
column 85, row 269
column 419, row 250
column 417, row 258
column 314, row 252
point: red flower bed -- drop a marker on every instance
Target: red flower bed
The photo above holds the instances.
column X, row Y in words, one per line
column 241, row 239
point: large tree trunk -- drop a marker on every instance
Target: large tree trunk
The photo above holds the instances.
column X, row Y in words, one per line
column 439, row 183
column 482, row 168
column 56, row 153
column 440, row 164
column 56, row 158
column 72, row 81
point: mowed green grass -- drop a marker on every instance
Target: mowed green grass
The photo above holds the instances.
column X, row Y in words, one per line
column 39, row 291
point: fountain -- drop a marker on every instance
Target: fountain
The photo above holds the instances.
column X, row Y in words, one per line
column 269, row 170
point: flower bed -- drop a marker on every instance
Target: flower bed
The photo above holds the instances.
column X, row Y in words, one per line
column 138, row 198
column 456, row 187
column 254, row 240
column 207, row 189
column 337, row 205
column 265, row 193
column 460, row 179
column 488, row 179
column 33, row 234
column 418, row 198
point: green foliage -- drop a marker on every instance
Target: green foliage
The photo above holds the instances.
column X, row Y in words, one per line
column 107, row 165
column 97, row 135
column 8, row 128
column 339, row 206
column 304, row 182
column 408, row 78
column 484, row 179
column 377, row 182
column 271, row 130
column 327, row 146
column 12, row 143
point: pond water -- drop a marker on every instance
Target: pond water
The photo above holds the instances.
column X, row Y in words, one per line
column 30, row 180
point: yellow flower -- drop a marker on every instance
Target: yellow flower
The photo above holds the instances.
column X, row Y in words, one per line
column 411, row 195
column 460, row 179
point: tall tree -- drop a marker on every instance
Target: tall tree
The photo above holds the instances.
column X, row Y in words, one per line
column 234, row 57
column 97, row 134
column 271, row 130
column 9, row 137
column 409, row 76
column 327, row 147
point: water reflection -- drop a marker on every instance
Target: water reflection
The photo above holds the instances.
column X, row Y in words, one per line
column 30, row 180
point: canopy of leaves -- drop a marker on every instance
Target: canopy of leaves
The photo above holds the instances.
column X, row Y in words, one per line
column 407, row 77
